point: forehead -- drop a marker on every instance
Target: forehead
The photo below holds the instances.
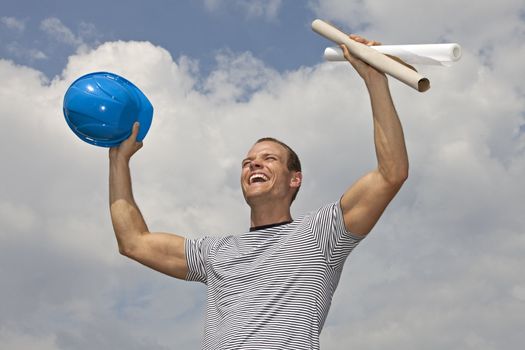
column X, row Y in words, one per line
column 267, row 147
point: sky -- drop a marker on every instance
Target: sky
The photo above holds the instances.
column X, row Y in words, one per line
column 443, row 269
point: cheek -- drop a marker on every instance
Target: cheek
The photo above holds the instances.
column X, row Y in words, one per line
column 282, row 178
column 244, row 175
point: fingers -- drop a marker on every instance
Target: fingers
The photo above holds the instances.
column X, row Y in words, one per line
column 129, row 146
column 359, row 39
column 133, row 137
column 363, row 68
column 362, row 40
column 345, row 50
column 346, row 53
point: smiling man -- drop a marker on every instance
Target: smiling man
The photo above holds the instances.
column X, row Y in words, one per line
column 270, row 287
column 270, row 179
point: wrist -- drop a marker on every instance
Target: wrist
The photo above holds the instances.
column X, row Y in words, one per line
column 376, row 83
column 117, row 159
column 375, row 78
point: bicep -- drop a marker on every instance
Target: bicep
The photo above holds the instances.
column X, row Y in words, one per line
column 365, row 201
column 163, row 252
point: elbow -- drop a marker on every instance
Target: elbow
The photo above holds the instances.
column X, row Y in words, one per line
column 130, row 252
column 397, row 178
column 127, row 247
column 125, row 251
column 402, row 176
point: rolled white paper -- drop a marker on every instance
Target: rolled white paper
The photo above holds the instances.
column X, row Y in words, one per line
column 427, row 54
column 372, row 57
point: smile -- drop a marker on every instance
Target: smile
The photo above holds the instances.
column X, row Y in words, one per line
column 258, row 177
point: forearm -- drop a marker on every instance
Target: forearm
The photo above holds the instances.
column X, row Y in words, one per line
column 128, row 223
column 388, row 133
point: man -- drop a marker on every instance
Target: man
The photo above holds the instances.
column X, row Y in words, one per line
column 270, row 288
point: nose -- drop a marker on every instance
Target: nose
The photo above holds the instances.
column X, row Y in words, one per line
column 255, row 164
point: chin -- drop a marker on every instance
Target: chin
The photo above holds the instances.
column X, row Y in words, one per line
column 253, row 198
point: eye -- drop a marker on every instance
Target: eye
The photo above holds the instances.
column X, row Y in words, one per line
column 245, row 163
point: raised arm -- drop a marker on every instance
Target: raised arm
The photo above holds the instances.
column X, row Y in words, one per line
column 364, row 202
column 161, row 251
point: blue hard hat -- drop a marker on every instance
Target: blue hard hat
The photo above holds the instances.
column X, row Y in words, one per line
column 101, row 108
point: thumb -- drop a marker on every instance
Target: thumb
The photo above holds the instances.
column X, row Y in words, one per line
column 346, row 53
column 135, row 131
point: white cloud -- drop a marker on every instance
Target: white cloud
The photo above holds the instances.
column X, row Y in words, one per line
column 13, row 23
column 441, row 270
column 11, row 339
column 267, row 9
column 16, row 218
column 57, row 30
column 237, row 76
column 19, row 51
column 413, row 22
column 352, row 13
column 449, row 265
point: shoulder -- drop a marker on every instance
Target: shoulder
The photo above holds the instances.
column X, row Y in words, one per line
column 206, row 244
column 327, row 212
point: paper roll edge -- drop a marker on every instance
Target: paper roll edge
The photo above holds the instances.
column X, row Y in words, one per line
column 331, row 54
column 423, row 84
column 456, row 52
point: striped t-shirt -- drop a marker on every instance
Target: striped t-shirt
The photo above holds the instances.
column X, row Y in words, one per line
column 271, row 288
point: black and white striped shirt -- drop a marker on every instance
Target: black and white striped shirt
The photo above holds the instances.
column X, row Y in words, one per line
column 271, row 288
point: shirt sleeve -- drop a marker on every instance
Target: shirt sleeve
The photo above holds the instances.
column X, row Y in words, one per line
column 331, row 235
column 197, row 258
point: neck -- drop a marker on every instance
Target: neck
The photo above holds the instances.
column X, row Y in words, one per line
column 270, row 213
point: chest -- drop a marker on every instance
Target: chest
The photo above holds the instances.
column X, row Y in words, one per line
column 266, row 262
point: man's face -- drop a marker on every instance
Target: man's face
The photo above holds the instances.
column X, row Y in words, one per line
column 265, row 175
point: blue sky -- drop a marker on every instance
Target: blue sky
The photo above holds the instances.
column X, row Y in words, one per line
column 284, row 42
column 443, row 269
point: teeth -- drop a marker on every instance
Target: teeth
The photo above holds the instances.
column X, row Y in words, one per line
column 258, row 176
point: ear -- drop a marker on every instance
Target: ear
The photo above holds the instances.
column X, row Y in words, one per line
column 296, row 180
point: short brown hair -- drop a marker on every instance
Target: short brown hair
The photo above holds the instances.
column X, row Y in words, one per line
column 293, row 163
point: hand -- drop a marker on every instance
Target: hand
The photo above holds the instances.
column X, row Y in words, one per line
column 366, row 71
column 128, row 147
